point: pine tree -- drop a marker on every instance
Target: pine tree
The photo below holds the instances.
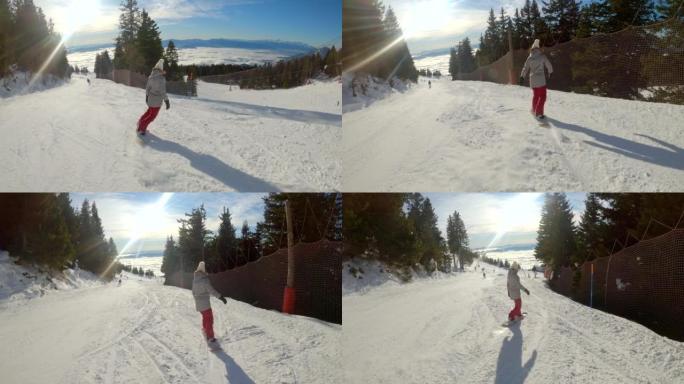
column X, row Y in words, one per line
column 667, row 9
column 226, row 244
column 624, row 13
column 591, row 244
column 6, row 34
column 457, row 239
column 556, row 244
column 466, row 60
column 170, row 261
column 125, row 54
column 148, row 43
column 562, row 17
column 171, row 58
column 192, row 236
column 454, row 68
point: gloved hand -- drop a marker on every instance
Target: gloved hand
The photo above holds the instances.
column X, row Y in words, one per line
column 527, row 291
column 167, row 103
column 147, row 97
column 521, row 80
column 224, row 299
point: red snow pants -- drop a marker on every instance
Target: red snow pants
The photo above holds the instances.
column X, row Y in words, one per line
column 147, row 118
column 516, row 310
column 538, row 100
column 208, row 323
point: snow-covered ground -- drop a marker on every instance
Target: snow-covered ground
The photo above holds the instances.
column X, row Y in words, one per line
column 144, row 332
column 78, row 137
column 449, row 330
column 479, row 136
column 19, row 283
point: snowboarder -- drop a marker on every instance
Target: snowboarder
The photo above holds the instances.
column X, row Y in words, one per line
column 514, row 286
column 154, row 96
column 534, row 66
column 201, row 291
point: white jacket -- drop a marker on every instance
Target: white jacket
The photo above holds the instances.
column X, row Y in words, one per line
column 534, row 65
column 514, row 285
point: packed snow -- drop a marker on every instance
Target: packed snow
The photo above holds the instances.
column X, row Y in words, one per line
column 449, row 330
column 144, row 332
column 478, row 136
column 21, row 282
column 81, row 137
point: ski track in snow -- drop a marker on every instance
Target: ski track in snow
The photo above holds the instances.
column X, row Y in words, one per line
column 78, row 137
column 146, row 332
column 478, row 136
column 449, row 330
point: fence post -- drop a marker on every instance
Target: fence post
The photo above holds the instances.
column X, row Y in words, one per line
column 511, row 74
column 591, row 288
column 289, row 296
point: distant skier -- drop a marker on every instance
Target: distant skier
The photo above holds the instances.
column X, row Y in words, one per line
column 201, row 291
column 154, row 96
column 88, row 80
column 514, row 286
column 484, row 274
column 429, row 84
column 534, row 66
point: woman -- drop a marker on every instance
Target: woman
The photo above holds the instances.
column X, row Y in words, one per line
column 534, row 66
column 201, row 290
column 514, row 287
column 155, row 94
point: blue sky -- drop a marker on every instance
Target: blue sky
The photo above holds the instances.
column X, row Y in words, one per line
column 125, row 215
column 435, row 24
column 315, row 22
column 514, row 216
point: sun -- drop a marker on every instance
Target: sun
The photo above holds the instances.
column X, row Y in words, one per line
column 151, row 219
column 519, row 213
column 423, row 18
column 78, row 14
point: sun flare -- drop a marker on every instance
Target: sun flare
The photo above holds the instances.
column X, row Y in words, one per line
column 78, row 14
column 519, row 213
column 423, row 18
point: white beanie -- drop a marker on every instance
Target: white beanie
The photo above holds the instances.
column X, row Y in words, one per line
column 515, row 265
column 535, row 44
column 160, row 65
column 201, row 268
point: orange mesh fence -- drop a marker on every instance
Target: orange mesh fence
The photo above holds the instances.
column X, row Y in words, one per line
column 318, row 281
column 643, row 282
column 637, row 63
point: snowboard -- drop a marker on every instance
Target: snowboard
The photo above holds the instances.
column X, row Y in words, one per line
column 517, row 320
column 214, row 346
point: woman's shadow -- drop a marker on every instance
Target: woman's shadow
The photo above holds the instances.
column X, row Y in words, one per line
column 509, row 367
column 234, row 374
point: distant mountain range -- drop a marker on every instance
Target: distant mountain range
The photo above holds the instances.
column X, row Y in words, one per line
column 294, row 48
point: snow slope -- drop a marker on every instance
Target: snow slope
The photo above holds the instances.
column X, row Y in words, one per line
column 449, row 330
column 82, row 138
column 19, row 283
column 480, row 136
column 144, row 332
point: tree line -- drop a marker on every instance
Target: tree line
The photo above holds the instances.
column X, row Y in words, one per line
column 315, row 217
column 138, row 46
column 401, row 230
column 558, row 21
column 28, row 40
column 373, row 41
column 140, row 271
column 292, row 72
column 607, row 217
column 45, row 229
